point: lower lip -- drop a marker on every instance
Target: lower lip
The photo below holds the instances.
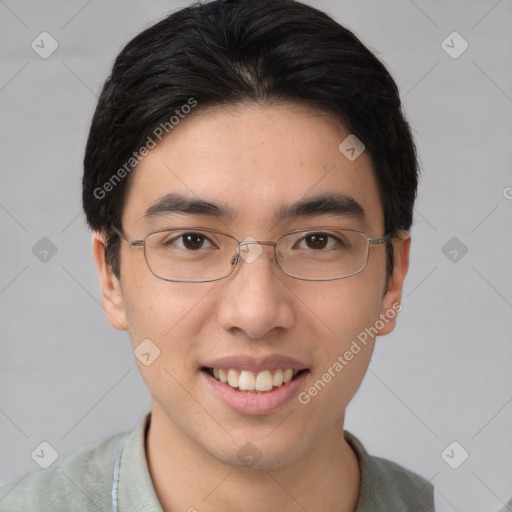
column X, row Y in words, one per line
column 255, row 403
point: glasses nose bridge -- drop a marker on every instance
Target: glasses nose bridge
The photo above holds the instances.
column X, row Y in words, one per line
column 261, row 242
column 256, row 242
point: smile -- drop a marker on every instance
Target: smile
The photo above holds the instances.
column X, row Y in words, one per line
column 253, row 382
column 252, row 385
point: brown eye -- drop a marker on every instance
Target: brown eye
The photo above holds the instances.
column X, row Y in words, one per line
column 317, row 240
column 190, row 241
column 193, row 241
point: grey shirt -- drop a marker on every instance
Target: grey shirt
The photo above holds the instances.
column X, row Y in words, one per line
column 112, row 475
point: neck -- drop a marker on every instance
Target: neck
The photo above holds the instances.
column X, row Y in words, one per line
column 186, row 477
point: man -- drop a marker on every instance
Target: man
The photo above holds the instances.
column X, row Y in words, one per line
column 249, row 178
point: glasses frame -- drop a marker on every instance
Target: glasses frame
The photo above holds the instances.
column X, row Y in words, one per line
column 236, row 257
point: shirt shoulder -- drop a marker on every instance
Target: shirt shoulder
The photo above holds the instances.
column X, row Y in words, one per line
column 81, row 481
column 415, row 491
column 388, row 486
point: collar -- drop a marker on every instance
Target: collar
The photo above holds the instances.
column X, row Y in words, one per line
column 136, row 490
column 386, row 485
column 370, row 477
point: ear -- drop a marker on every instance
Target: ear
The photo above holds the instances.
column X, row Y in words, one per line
column 111, row 293
column 391, row 302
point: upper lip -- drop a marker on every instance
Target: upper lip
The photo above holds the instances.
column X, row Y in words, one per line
column 256, row 364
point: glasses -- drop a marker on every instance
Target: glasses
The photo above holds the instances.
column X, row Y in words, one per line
column 198, row 255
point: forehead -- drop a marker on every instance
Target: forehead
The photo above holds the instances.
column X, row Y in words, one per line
column 254, row 162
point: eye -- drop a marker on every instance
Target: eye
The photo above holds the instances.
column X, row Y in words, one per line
column 190, row 241
column 318, row 241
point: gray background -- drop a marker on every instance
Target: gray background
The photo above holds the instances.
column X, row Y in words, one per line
column 68, row 378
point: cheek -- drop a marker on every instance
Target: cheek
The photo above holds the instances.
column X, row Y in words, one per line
column 345, row 307
column 169, row 315
column 155, row 308
column 165, row 319
column 345, row 313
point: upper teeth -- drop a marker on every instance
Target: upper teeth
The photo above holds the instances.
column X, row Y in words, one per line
column 249, row 381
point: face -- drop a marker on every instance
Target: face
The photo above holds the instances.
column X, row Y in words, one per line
column 253, row 160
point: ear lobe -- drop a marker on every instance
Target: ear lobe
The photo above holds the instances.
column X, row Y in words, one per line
column 391, row 303
column 111, row 294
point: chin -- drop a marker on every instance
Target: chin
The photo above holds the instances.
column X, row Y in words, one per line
column 259, row 454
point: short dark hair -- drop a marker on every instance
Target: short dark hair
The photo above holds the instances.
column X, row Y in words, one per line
column 229, row 51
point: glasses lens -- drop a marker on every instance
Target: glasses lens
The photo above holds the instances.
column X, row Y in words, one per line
column 189, row 254
column 200, row 255
column 323, row 254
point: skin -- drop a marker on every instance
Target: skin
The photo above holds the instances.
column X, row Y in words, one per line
column 254, row 158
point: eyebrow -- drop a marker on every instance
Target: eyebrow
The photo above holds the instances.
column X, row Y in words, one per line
column 325, row 204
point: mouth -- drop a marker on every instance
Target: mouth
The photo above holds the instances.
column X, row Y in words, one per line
column 252, row 385
column 250, row 382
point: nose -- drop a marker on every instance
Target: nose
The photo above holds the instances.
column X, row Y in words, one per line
column 255, row 299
